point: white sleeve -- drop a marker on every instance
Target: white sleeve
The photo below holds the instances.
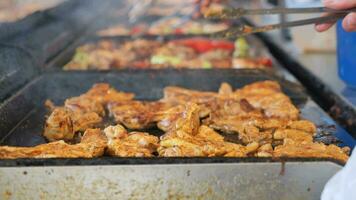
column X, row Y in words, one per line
column 343, row 184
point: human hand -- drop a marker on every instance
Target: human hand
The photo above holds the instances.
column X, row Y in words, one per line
column 348, row 23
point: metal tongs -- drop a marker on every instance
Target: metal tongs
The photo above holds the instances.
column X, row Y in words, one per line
column 333, row 15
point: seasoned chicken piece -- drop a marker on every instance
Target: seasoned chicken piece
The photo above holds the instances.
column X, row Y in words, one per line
column 83, row 121
column 247, row 128
column 236, row 150
column 261, row 129
column 93, row 144
column 96, row 99
column 179, row 95
column 294, row 149
column 265, row 150
column 292, row 134
column 115, row 132
column 225, row 89
column 173, row 93
column 303, row 125
column 209, row 134
column 59, row 125
column 211, row 102
column 134, row 144
column 83, row 104
column 137, row 115
column 103, row 93
column 183, row 118
column 63, row 123
column 221, row 108
column 206, row 143
column 267, row 95
column 82, row 112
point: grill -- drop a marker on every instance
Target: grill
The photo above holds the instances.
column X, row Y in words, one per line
column 31, row 73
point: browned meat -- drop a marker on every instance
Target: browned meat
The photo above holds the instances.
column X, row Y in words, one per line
column 106, row 55
column 63, row 123
column 104, row 93
column 267, row 95
column 179, row 95
column 185, row 136
column 265, row 150
column 206, row 143
column 297, row 149
column 180, row 118
column 136, row 114
column 247, row 128
column 292, row 134
column 93, row 144
column 82, row 112
column 261, row 129
column 134, row 144
column 266, row 123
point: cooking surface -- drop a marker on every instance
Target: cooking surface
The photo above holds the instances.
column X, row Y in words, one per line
column 22, row 117
column 25, row 126
column 27, row 122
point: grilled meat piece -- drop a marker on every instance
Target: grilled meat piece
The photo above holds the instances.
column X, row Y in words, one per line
column 107, row 54
column 137, row 115
column 134, row 144
column 225, row 89
column 261, row 129
column 185, row 136
column 247, row 128
column 267, row 95
column 206, row 143
column 179, row 95
column 59, row 125
column 297, row 149
column 93, row 144
column 180, row 118
column 82, row 112
column 265, row 150
column 104, row 93
column 63, row 123
column 292, row 134
column 83, row 104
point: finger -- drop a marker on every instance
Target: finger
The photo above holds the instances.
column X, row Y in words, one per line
column 340, row 4
column 324, row 26
column 349, row 23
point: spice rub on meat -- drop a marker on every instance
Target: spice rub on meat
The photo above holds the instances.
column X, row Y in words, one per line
column 133, row 144
column 92, row 144
column 260, row 117
column 82, row 112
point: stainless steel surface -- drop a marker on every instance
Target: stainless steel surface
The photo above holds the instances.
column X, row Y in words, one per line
column 296, row 180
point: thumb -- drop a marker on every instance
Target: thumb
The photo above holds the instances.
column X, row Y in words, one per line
column 340, row 4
